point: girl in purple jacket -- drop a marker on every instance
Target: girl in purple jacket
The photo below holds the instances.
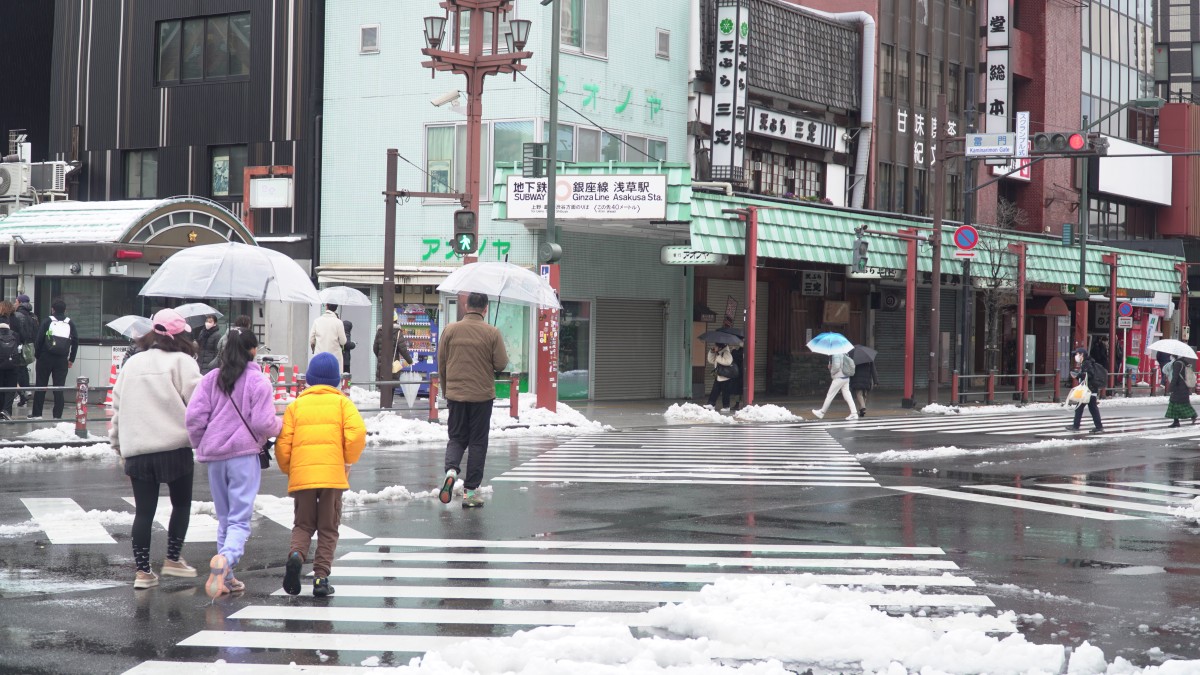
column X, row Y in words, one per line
column 230, row 416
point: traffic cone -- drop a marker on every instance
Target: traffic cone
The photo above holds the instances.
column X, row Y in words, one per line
column 112, row 381
column 294, row 390
column 281, row 386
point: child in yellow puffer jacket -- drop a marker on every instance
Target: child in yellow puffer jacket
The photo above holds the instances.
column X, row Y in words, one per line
column 323, row 435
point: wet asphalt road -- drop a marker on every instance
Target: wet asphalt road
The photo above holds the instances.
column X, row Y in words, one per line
column 1127, row 585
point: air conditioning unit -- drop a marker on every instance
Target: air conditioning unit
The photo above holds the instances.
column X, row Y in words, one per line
column 14, row 179
column 50, row 176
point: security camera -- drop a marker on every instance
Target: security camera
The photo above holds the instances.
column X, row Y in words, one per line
column 448, row 97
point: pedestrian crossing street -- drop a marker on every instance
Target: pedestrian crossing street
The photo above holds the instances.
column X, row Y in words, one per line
column 769, row 455
column 407, row 596
column 1108, row 501
column 1008, row 425
column 65, row 521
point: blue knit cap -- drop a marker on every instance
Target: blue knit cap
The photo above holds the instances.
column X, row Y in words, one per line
column 323, row 369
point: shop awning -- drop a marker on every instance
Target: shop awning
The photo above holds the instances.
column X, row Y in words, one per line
column 177, row 221
column 373, row 276
column 821, row 234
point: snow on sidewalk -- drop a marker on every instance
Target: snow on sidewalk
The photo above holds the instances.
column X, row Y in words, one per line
column 388, row 428
column 1148, row 401
column 691, row 413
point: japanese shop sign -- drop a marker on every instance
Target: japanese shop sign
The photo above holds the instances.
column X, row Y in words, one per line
column 998, row 91
column 924, row 129
column 999, row 15
column 685, row 255
column 791, row 128
column 812, row 282
column 596, row 197
column 731, row 64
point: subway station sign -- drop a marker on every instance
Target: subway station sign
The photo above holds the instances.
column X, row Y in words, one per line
column 594, row 197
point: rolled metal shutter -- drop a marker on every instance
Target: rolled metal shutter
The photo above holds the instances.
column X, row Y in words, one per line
column 889, row 336
column 630, row 349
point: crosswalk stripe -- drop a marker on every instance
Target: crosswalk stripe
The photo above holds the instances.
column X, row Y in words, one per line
column 65, row 522
column 202, row 528
column 1164, row 488
column 715, row 561
column 626, row 576
column 223, row 668
column 681, row 481
column 1178, row 501
column 1078, row 499
column 544, row 544
column 1015, row 503
column 485, row 617
column 281, row 513
column 672, row 475
column 408, row 644
column 744, row 456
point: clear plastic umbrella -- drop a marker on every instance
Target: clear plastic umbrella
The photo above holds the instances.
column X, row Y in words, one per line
column 131, row 326
column 194, row 309
column 501, row 281
column 233, row 271
column 1173, row 347
column 344, row 296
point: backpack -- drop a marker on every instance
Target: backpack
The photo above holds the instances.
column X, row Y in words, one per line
column 10, row 350
column 1097, row 376
column 848, row 366
column 58, row 336
column 1189, row 377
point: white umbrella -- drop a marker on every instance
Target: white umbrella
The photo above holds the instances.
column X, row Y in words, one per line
column 233, row 271
column 193, row 309
column 503, row 281
column 344, row 296
column 131, row 325
column 1174, row 347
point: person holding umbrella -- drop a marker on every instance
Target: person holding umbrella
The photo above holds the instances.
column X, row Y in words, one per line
column 721, row 359
column 739, row 357
column 864, row 378
column 841, row 369
column 1179, row 387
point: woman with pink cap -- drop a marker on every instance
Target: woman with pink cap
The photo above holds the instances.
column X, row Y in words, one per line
column 149, row 431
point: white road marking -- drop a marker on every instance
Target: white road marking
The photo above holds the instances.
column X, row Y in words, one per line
column 65, row 522
column 1178, row 501
column 1165, row 488
column 1090, row 501
column 655, row 546
column 1015, row 503
column 624, row 576
column 201, row 526
column 715, row 561
column 283, row 514
column 680, row 481
column 409, row 644
column 485, row 617
column 224, row 668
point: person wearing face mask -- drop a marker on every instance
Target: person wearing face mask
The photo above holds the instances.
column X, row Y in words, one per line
column 206, row 345
column 1088, row 371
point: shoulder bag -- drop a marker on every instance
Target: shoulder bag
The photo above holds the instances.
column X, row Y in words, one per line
column 264, row 454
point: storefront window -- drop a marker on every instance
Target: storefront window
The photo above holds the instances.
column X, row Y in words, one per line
column 574, row 350
column 513, row 322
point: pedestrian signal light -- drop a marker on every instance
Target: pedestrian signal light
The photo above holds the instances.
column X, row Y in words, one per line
column 466, row 233
column 860, row 260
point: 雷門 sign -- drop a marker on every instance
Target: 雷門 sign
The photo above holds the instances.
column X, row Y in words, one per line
column 606, row 197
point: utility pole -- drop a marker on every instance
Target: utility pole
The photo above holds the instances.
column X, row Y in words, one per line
column 1081, row 290
column 935, row 239
column 387, row 344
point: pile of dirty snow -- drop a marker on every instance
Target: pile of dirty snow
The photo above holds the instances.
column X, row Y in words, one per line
column 388, row 428
column 690, row 413
column 939, row 409
column 950, row 451
column 766, row 413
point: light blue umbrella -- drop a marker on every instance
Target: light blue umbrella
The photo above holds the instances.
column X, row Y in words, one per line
column 830, row 343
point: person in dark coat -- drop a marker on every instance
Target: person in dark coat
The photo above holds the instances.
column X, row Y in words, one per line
column 206, row 345
column 348, row 346
column 862, row 381
column 26, row 323
column 1100, row 350
column 1089, row 372
column 1179, row 405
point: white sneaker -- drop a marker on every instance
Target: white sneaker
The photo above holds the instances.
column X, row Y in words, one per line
column 724, row 409
column 853, row 417
column 819, row 414
column 709, row 407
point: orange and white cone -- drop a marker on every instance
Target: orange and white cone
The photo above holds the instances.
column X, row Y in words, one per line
column 294, row 391
column 281, row 386
column 112, row 381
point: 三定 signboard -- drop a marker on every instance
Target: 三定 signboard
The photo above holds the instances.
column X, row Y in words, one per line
column 812, row 283
column 731, row 65
column 596, row 197
column 791, row 128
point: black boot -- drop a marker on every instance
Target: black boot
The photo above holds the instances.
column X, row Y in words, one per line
column 1174, row 424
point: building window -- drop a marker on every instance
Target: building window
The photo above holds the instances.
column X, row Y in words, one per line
column 508, row 141
column 228, row 170
column 902, row 75
column 883, row 188
column 954, row 88
column 642, row 149
column 446, row 159
column 921, row 192
column 662, row 44
column 1162, row 62
column 810, row 178
column 585, row 26
column 368, row 39
column 204, row 48
column 574, row 351
column 900, row 194
column 566, row 141
column 954, row 197
column 141, row 174
column 598, row 146
column 922, row 80
column 887, row 64
column 1195, row 60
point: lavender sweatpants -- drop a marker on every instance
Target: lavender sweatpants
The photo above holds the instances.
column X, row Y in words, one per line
column 234, row 483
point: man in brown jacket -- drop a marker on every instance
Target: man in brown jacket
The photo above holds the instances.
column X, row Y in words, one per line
column 469, row 354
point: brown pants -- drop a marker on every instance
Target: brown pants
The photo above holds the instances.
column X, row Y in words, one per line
column 320, row 511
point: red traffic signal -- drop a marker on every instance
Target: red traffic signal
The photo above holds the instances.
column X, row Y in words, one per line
column 1068, row 143
column 1076, row 142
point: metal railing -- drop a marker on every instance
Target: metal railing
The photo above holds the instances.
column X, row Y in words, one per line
column 1051, row 388
column 82, row 389
column 434, row 382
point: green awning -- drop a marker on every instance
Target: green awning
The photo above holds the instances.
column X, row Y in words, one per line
column 826, row 235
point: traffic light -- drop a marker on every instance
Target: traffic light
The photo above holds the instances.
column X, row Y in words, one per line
column 1069, row 143
column 466, row 232
column 859, row 262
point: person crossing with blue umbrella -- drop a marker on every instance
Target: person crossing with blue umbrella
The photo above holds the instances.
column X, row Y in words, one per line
column 841, row 369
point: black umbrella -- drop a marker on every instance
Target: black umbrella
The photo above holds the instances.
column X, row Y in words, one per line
column 733, row 331
column 864, row 354
column 721, row 338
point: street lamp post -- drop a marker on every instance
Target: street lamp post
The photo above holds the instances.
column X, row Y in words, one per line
column 1081, row 290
